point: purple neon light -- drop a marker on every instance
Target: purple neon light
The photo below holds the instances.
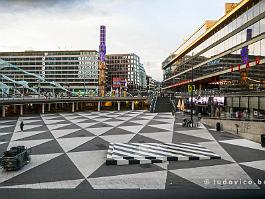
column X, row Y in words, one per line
column 102, row 46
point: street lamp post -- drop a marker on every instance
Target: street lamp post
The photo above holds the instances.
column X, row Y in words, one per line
column 191, row 100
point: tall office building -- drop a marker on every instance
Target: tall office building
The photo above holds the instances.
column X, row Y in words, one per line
column 125, row 69
column 75, row 70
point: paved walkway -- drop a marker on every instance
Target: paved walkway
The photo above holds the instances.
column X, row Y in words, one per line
column 69, row 152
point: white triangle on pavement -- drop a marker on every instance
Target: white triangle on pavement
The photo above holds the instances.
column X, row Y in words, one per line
column 27, row 118
column 147, row 117
column 6, row 121
column 143, row 122
column 168, row 127
column 24, row 134
column 260, row 164
column 1, row 134
column 53, row 121
column 133, row 129
column 147, row 180
column 217, row 149
column 56, row 126
column 44, row 117
column 114, row 124
column 77, row 120
column 28, row 143
column 5, row 126
column 99, row 131
column 36, row 160
column 125, row 118
column 64, row 184
column 31, row 121
column 61, row 133
column 165, row 137
column 86, row 125
column 118, row 138
column 30, row 126
column 99, row 119
column 170, row 121
column 91, row 116
column 70, row 143
column 88, row 161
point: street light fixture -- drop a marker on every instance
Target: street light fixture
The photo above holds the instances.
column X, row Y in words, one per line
column 191, row 100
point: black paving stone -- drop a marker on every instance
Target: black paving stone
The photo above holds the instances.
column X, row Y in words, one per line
column 99, row 125
column 193, row 164
column 95, row 144
column 50, row 171
column 79, row 133
column 150, row 129
column 44, row 135
column 142, row 139
column 113, row 170
column 47, row 148
column 117, row 131
column 257, row 175
column 178, row 183
column 182, row 138
column 243, row 154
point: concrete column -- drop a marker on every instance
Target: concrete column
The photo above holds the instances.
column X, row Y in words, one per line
column 73, row 107
column 76, row 106
column 119, row 106
column 99, row 106
column 3, row 111
column 132, row 105
column 21, row 109
column 43, row 108
column 15, row 108
column 49, row 107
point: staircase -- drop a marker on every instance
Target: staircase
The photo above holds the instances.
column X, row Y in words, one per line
column 162, row 104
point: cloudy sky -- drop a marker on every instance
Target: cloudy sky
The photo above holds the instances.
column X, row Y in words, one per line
column 151, row 29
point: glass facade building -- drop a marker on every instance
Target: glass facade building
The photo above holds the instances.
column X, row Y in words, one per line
column 74, row 70
column 125, row 67
column 227, row 54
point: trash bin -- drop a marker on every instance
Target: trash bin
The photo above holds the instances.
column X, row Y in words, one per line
column 218, row 126
column 262, row 139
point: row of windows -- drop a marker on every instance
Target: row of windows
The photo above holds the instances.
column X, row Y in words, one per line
column 255, row 73
column 246, row 34
column 236, row 23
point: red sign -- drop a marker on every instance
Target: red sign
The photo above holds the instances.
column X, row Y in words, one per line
column 116, row 81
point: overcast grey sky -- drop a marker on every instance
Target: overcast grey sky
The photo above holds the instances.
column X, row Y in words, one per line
column 151, row 29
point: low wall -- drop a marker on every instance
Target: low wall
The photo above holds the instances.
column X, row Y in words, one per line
column 248, row 129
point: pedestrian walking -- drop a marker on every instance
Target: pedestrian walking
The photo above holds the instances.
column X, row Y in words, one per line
column 21, row 126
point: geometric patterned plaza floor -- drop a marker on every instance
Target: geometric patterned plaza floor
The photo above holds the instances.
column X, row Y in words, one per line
column 69, row 152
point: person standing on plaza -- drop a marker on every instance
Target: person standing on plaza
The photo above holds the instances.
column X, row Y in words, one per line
column 21, row 126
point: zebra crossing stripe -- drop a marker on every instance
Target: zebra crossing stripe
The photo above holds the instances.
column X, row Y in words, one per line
column 146, row 153
column 182, row 151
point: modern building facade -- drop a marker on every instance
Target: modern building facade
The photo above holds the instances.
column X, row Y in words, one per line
column 150, row 83
column 125, row 69
column 227, row 54
column 75, row 70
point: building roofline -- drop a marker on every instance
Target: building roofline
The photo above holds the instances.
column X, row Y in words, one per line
column 219, row 22
column 40, row 51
